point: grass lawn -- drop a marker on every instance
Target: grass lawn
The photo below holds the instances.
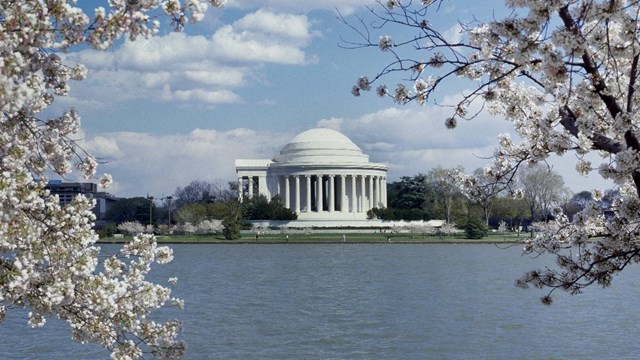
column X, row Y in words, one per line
column 337, row 237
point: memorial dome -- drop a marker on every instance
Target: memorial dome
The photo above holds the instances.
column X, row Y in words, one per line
column 321, row 146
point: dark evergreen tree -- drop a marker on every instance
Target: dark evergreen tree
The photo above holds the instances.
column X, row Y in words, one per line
column 231, row 228
column 138, row 209
column 260, row 208
column 475, row 228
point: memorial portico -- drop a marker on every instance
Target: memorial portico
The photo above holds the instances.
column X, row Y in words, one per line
column 321, row 175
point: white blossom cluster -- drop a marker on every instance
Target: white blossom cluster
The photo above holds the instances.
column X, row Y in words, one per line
column 473, row 187
column 48, row 260
column 260, row 229
column 131, row 227
column 212, row 226
column 188, row 228
column 565, row 74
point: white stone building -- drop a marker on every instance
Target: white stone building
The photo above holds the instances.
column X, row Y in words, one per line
column 320, row 175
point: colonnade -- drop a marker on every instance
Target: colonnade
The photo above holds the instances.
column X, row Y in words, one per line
column 321, row 192
column 256, row 185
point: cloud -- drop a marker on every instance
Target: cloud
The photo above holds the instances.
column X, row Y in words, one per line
column 416, row 128
column 454, row 34
column 254, row 47
column 294, row 28
column 415, row 140
column 200, row 95
column 144, row 163
column 195, row 68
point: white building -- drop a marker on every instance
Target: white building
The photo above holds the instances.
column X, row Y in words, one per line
column 320, row 175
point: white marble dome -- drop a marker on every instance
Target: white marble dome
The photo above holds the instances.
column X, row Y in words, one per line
column 320, row 146
column 321, row 175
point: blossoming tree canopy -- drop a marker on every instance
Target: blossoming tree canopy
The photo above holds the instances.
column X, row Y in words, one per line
column 48, row 260
column 564, row 73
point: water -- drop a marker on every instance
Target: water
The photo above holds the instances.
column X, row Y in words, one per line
column 369, row 301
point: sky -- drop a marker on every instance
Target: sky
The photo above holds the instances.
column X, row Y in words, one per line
column 178, row 107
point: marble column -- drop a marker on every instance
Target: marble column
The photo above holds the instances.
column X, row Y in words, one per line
column 384, row 192
column 308, row 207
column 287, row 193
column 376, row 192
column 250, row 187
column 343, row 194
column 263, row 189
column 297, row 190
column 240, row 189
column 362, row 194
column 354, row 197
column 332, row 193
column 319, row 194
column 380, row 191
column 370, row 205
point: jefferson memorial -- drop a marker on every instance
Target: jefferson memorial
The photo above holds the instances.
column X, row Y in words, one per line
column 320, row 175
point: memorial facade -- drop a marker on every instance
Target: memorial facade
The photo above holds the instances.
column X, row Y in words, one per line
column 320, row 175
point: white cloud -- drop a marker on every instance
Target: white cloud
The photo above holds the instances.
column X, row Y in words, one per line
column 332, row 123
column 295, row 28
column 154, row 79
column 147, row 163
column 209, row 97
column 454, row 34
column 411, row 128
column 227, row 76
column 107, row 148
column 413, row 140
column 255, row 47
column 195, row 68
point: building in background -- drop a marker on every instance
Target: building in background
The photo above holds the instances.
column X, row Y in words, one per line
column 320, row 175
column 66, row 191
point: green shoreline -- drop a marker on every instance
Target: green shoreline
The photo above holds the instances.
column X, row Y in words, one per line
column 333, row 238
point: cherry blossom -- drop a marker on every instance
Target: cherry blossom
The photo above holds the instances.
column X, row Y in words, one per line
column 48, row 257
column 564, row 74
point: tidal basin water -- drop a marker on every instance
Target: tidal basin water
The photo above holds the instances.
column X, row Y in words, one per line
column 369, row 301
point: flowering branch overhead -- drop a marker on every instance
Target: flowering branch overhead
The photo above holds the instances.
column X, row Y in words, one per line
column 48, row 257
column 565, row 75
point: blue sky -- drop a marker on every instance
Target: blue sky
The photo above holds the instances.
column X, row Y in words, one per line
column 241, row 84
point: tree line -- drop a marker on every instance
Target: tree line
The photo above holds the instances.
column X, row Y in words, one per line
column 200, row 207
column 442, row 194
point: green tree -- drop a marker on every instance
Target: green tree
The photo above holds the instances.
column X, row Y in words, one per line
column 132, row 209
column 382, row 214
column 512, row 211
column 475, row 228
column 196, row 213
column 191, row 213
column 408, row 193
column 260, row 208
column 231, row 228
column 411, row 198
